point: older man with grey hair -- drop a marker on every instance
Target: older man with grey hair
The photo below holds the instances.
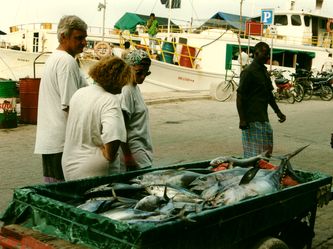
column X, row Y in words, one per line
column 61, row 78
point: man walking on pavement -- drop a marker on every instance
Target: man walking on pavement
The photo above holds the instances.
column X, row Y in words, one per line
column 254, row 94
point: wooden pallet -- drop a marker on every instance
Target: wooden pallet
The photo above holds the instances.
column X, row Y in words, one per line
column 15, row 236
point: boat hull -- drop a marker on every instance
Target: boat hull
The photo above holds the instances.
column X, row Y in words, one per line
column 15, row 64
column 166, row 76
column 182, row 78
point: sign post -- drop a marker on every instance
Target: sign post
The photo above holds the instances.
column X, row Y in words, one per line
column 267, row 18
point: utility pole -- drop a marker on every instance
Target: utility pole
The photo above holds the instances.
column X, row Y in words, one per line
column 99, row 8
column 239, row 33
column 169, row 16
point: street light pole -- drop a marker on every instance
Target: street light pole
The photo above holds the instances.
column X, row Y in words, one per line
column 99, row 8
column 239, row 33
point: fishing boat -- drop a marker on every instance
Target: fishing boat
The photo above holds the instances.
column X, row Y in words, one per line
column 202, row 58
column 298, row 38
column 187, row 60
column 24, row 50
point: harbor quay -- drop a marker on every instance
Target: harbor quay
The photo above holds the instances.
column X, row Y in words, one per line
column 188, row 127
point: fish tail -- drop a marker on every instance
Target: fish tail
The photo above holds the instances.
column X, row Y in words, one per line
column 165, row 196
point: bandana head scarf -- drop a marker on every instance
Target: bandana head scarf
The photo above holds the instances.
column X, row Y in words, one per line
column 137, row 57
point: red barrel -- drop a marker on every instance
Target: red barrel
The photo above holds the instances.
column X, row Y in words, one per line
column 29, row 89
column 187, row 56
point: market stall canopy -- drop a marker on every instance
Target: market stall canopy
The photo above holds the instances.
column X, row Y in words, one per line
column 129, row 21
column 225, row 20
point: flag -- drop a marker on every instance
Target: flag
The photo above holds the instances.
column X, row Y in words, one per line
column 175, row 3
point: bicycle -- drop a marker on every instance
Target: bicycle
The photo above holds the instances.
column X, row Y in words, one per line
column 298, row 87
column 225, row 89
column 302, row 78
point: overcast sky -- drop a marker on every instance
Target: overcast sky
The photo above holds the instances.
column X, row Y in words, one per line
column 15, row 12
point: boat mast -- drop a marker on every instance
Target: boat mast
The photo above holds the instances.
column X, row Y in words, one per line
column 169, row 17
column 239, row 32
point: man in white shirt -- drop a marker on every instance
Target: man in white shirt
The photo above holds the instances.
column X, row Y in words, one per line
column 61, row 78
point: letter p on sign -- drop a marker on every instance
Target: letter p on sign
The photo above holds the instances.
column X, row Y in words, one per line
column 267, row 16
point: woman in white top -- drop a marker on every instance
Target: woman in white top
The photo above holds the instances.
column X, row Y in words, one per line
column 138, row 149
column 95, row 126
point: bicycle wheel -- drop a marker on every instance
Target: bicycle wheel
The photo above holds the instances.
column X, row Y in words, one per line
column 299, row 93
column 308, row 90
column 326, row 93
column 224, row 91
column 290, row 96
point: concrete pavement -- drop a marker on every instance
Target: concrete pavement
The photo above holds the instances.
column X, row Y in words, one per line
column 173, row 96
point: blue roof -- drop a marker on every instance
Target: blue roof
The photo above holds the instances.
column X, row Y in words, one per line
column 228, row 19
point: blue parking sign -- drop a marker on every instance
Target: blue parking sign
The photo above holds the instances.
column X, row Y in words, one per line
column 267, row 16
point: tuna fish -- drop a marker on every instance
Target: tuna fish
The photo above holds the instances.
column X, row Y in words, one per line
column 173, row 192
column 94, row 205
column 111, row 189
column 242, row 162
column 175, row 177
column 225, row 177
column 250, row 174
column 259, row 185
column 127, row 214
column 101, row 204
column 150, row 203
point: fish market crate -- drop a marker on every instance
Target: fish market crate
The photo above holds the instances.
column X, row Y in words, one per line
column 52, row 209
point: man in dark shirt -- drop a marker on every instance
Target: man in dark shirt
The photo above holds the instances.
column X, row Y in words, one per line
column 254, row 94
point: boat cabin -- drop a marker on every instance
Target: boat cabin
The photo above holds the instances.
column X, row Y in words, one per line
column 288, row 58
column 300, row 28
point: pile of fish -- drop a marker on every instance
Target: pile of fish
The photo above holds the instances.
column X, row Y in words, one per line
column 168, row 194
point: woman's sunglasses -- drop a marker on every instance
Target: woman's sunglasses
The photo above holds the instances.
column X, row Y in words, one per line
column 142, row 73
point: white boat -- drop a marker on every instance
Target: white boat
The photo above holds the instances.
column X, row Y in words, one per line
column 199, row 61
column 24, row 50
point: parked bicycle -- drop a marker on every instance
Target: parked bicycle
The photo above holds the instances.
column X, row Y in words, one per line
column 225, row 89
column 299, row 90
column 301, row 78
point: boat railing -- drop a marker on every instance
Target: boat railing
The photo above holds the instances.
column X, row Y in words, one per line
column 168, row 51
column 324, row 39
column 53, row 27
column 38, row 62
column 33, row 26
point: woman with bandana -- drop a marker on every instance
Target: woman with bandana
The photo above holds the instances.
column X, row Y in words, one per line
column 137, row 152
